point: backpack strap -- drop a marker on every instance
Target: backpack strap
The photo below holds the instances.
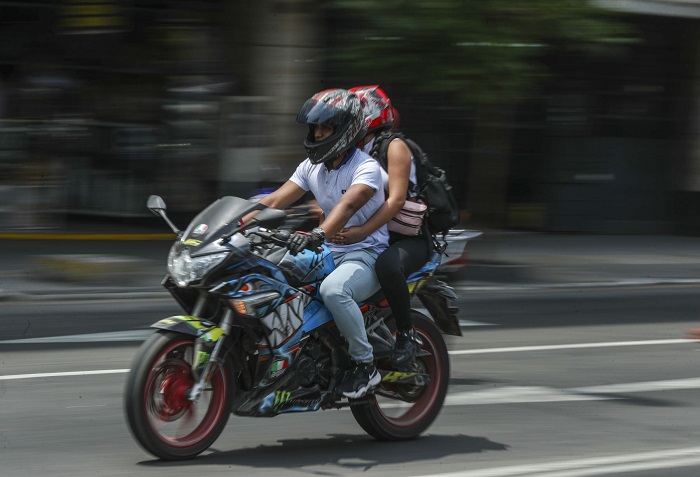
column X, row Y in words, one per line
column 420, row 158
column 380, row 150
column 381, row 147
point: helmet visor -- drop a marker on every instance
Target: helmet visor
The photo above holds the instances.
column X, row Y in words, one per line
column 322, row 112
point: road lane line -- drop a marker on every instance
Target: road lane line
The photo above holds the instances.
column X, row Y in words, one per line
column 641, row 282
column 492, row 396
column 611, row 344
column 530, row 394
column 63, row 374
column 648, row 386
column 590, row 466
column 457, row 352
column 520, row 394
column 113, row 336
column 466, row 323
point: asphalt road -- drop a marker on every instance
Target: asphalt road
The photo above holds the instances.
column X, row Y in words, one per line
column 552, row 383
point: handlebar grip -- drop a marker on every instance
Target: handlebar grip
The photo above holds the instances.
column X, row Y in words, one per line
column 281, row 235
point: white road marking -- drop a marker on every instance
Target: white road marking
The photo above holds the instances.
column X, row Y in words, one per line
column 515, row 394
column 466, row 323
column 63, row 374
column 131, row 335
column 522, row 394
column 645, row 282
column 611, row 344
column 518, row 394
column 665, row 459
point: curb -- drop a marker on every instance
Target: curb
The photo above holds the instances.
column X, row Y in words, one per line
column 6, row 296
column 496, row 272
column 462, row 286
column 87, row 267
column 86, row 236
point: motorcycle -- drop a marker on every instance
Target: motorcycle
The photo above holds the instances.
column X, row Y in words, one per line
column 256, row 340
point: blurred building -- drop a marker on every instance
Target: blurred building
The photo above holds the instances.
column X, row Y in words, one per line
column 620, row 133
column 103, row 102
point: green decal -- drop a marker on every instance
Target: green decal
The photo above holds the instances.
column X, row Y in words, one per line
column 281, row 397
column 213, row 335
column 395, row 376
column 202, row 357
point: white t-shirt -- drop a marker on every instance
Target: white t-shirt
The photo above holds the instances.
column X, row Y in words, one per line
column 385, row 175
column 329, row 186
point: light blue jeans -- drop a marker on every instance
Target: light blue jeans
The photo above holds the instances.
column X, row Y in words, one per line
column 352, row 280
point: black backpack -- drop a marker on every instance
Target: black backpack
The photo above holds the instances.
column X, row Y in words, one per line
column 432, row 186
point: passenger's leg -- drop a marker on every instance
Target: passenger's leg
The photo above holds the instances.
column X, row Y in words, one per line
column 393, row 266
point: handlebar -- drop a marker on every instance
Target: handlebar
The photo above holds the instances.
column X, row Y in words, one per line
column 279, row 237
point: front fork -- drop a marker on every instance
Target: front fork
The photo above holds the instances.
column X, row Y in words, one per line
column 205, row 374
column 213, row 358
column 204, row 361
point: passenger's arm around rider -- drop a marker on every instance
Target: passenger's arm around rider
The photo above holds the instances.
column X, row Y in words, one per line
column 399, row 168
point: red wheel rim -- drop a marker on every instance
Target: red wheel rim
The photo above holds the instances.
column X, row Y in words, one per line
column 417, row 410
column 173, row 418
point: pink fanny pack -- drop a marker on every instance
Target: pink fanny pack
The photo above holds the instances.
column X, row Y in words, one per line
column 409, row 219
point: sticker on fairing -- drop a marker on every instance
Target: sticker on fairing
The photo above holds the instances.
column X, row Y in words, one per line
column 208, row 332
column 200, row 229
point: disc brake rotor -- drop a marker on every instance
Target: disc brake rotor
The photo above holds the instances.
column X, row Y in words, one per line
column 170, row 400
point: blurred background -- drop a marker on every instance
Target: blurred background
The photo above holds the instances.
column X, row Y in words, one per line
column 549, row 115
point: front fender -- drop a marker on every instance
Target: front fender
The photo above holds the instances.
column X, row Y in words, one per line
column 190, row 325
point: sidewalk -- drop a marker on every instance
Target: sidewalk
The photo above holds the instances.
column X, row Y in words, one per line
column 108, row 262
column 573, row 259
column 86, row 259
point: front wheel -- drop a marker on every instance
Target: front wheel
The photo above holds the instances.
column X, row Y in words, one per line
column 390, row 419
column 161, row 418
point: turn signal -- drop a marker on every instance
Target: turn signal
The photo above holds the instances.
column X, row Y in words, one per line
column 253, row 305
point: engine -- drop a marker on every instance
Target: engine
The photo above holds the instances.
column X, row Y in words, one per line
column 313, row 365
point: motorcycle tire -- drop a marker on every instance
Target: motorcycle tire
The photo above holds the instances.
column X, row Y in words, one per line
column 381, row 418
column 159, row 415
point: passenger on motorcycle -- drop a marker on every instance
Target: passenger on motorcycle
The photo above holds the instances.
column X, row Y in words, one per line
column 347, row 184
column 406, row 254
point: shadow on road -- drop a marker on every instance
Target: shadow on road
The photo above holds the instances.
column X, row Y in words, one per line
column 346, row 451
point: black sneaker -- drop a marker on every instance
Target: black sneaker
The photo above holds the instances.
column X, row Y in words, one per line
column 406, row 347
column 363, row 378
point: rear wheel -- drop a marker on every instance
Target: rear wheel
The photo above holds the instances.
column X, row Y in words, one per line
column 403, row 411
column 159, row 415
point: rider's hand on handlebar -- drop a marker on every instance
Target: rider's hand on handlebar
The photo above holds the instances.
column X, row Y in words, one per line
column 299, row 241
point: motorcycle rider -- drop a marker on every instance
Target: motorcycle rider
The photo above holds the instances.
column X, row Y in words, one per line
column 347, row 184
column 406, row 254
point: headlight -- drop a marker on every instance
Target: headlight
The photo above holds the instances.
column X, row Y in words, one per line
column 186, row 269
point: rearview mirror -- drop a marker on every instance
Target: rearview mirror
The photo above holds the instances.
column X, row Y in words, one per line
column 156, row 204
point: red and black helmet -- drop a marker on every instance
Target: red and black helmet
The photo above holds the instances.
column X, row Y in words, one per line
column 340, row 109
column 379, row 114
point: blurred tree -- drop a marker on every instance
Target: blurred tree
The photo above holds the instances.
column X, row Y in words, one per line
column 476, row 51
column 485, row 54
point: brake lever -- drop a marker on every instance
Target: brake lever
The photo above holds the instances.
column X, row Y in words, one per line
column 272, row 236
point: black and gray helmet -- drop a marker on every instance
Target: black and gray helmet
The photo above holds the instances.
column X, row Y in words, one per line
column 340, row 109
